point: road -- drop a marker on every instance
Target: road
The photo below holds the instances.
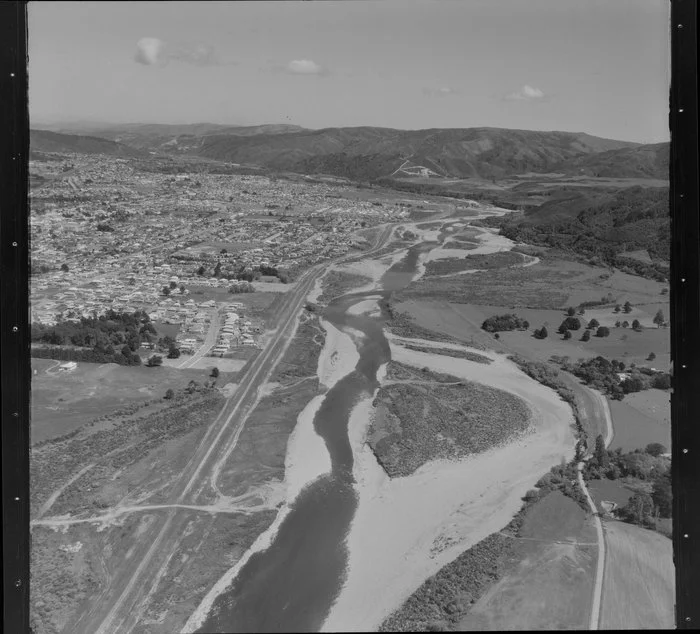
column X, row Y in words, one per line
column 209, row 342
column 600, row 410
column 120, row 604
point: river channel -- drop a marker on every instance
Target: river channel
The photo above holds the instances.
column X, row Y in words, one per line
column 291, row 586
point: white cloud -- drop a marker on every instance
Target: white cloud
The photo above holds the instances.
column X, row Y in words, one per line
column 526, row 93
column 304, row 67
column 151, row 51
column 444, row 91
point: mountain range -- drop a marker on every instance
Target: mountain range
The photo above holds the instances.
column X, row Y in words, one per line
column 370, row 153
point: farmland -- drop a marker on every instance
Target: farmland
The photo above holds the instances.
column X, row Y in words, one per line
column 638, row 585
column 536, row 573
column 64, row 401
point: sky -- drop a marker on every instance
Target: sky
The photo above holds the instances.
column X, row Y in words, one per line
column 595, row 66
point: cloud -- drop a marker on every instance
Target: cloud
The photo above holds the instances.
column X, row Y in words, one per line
column 445, row 91
column 305, row 67
column 150, row 51
column 526, row 93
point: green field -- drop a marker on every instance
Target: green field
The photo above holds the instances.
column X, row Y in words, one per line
column 64, row 401
column 638, row 584
column 549, row 582
column 635, row 429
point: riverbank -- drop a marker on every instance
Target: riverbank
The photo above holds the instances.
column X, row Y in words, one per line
column 307, row 459
column 406, row 529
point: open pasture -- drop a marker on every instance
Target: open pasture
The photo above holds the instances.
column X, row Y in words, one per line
column 635, row 429
column 638, row 583
column 463, row 321
column 62, row 401
column 548, row 584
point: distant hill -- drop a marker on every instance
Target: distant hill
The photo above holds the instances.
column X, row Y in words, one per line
column 370, row 153
column 367, row 153
column 45, row 141
column 644, row 161
column 176, row 138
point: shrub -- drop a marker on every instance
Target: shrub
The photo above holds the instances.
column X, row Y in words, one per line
column 655, row 449
column 169, row 394
column 154, row 361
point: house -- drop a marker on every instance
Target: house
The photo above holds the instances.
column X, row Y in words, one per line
column 68, row 367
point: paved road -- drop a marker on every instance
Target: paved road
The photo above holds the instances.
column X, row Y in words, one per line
column 119, row 606
column 209, row 342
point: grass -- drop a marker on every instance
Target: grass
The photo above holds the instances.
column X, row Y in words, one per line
column 62, row 402
column 610, row 491
column 638, row 583
column 548, row 585
column 112, row 448
column 449, row 352
column 470, row 262
column 419, row 422
column 635, row 429
column 517, row 579
column 337, row 283
column 542, row 286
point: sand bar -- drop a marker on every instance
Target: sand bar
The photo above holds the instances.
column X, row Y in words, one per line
column 406, row 529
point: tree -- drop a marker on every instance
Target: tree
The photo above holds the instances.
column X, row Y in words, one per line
column 638, row 509
column 661, row 381
column 154, row 361
column 169, row 394
column 594, row 323
column 625, row 324
column 215, row 373
column 651, row 356
column 659, row 318
column 662, row 494
column 541, row 333
column 567, row 334
column 173, row 285
column 617, row 308
column 627, row 307
column 182, row 289
column 618, row 323
column 655, row 449
column 600, row 453
column 570, row 323
column 223, row 251
column 174, row 353
column 201, row 270
column 64, row 268
column 581, row 310
column 570, row 311
column 636, row 325
column 603, row 331
column 586, row 335
column 166, row 290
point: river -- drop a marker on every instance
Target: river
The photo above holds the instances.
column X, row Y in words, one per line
column 291, row 586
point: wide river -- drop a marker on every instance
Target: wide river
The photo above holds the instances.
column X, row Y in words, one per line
column 291, row 586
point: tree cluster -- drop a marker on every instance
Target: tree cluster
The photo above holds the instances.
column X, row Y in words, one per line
column 500, row 323
column 105, row 334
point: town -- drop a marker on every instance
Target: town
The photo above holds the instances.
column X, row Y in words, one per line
column 109, row 235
